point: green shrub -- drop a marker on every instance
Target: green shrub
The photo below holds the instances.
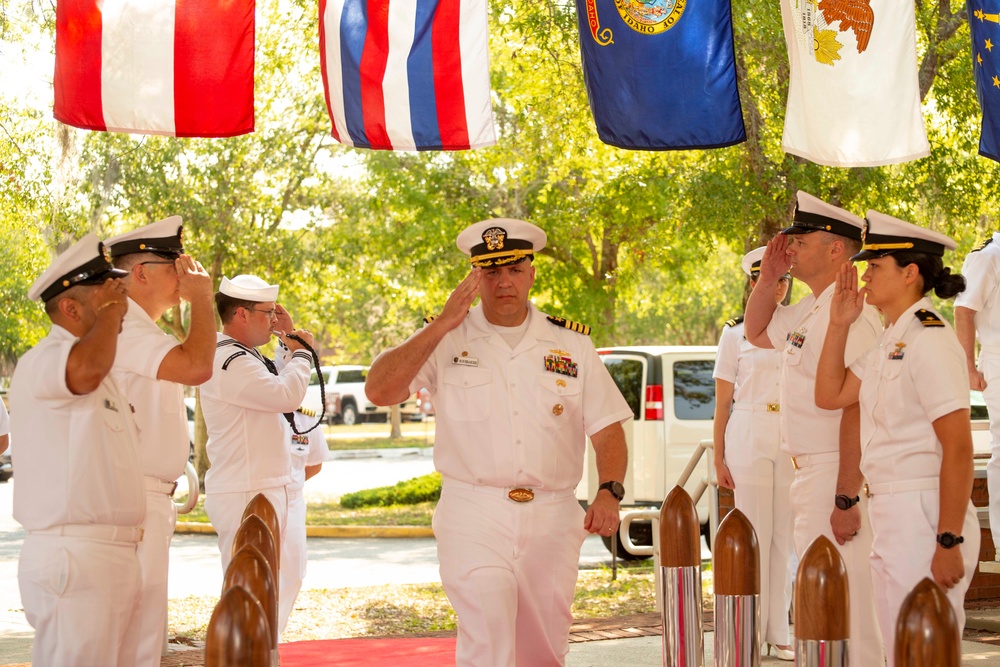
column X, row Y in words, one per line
column 409, row 492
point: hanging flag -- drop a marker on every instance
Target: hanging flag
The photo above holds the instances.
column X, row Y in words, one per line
column 407, row 74
column 853, row 96
column 661, row 74
column 182, row 68
column 984, row 24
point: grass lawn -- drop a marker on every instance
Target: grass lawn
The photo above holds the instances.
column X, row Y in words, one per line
column 332, row 514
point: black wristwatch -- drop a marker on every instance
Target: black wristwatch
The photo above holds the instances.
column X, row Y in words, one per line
column 616, row 489
column 846, row 502
column 949, row 540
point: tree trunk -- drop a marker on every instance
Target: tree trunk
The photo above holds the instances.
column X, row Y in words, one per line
column 395, row 419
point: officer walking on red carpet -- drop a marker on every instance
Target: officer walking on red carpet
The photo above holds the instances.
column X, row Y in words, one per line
column 516, row 394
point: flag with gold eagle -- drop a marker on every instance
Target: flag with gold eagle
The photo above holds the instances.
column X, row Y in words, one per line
column 984, row 24
column 661, row 74
column 853, row 96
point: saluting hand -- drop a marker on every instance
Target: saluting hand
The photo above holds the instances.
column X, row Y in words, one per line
column 284, row 319
column 947, row 566
column 848, row 300
column 193, row 280
column 293, row 344
column 776, row 261
column 458, row 304
column 110, row 296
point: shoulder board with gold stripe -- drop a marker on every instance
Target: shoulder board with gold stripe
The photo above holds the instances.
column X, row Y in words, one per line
column 429, row 319
column 569, row 324
column 733, row 322
column 928, row 319
column 307, row 412
column 983, row 244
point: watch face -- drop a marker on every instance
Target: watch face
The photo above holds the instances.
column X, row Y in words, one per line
column 618, row 490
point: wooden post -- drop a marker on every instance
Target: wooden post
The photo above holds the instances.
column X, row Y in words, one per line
column 927, row 632
column 250, row 569
column 260, row 506
column 680, row 581
column 822, row 607
column 238, row 632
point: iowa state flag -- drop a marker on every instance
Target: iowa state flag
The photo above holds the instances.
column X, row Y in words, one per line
column 984, row 24
column 661, row 74
column 407, row 74
column 181, row 68
column 853, row 96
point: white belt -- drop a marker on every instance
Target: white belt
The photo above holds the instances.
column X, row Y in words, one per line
column 902, row 486
column 159, row 486
column 95, row 531
column 805, row 460
column 758, row 407
column 516, row 494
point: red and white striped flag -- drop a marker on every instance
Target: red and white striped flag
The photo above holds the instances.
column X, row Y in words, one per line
column 181, row 68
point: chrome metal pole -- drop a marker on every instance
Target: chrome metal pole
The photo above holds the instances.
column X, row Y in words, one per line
column 683, row 638
column 737, row 630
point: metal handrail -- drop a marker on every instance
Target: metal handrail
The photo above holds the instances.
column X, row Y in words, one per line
column 192, row 497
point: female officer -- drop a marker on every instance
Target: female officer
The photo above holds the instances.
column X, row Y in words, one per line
column 747, row 458
column 916, row 444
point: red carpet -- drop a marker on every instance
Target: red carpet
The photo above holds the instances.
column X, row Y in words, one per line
column 402, row 652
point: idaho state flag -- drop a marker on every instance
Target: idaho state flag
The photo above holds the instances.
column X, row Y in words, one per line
column 407, row 74
column 984, row 24
column 181, row 68
column 661, row 74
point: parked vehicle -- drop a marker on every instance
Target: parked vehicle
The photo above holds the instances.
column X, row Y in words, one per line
column 349, row 383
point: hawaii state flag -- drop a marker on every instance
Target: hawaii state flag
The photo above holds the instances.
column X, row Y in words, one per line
column 181, row 68
column 407, row 74
column 984, row 24
column 853, row 95
column 661, row 74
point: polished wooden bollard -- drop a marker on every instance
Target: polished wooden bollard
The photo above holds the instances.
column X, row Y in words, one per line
column 238, row 635
column 260, row 506
column 736, row 572
column 927, row 632
column 680, row 581
column 250, row 569
column 822, row 607
column 254, row 531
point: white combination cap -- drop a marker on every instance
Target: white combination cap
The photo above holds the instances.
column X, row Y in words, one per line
column 751, row 261
column 815, row 215
column 86, row 262
column 500, row 241
column 248, row 288
column 162, row 238
column 885, row 235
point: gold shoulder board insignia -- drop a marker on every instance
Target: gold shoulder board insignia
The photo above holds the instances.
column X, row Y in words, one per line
column 983, row 244
column 569, row 324
column 928, row 319
column 733, row 322
column 429, row 319
column 307, row 412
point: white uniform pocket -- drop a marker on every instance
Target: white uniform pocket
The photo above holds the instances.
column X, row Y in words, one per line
column 465, row 393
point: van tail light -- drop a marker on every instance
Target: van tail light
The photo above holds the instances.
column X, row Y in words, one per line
column 654, row 402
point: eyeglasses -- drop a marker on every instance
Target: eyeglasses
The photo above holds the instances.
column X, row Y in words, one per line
column 270, row 313
column 155, row 262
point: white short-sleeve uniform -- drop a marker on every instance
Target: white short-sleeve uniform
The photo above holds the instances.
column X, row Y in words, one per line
column 913, row 376
column 982, row 280
column 513, row 418
column 812, row 436
column 80, row 496
column 247, row 435
column 163, row 452
column 307, row 449
column 761, row 473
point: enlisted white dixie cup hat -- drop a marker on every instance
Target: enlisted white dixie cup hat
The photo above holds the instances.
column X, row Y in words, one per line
column 500, row 241
column 86, row 262
column 162, row 238
column 248, row 288
column 815, row 215
column 885, row 235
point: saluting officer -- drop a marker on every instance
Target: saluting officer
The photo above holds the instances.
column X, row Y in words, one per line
column 823, row 444
column 915, row 434
column 151, row 368
column 79, row 491
column 747, row 434
column 516, row 394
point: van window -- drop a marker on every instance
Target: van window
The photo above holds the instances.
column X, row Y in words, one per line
column 627, row 374
column 343, row 377
column 694, row 389
column 314, row 379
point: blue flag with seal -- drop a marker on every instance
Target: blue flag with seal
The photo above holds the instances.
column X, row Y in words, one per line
column 661, row 74
column 984, row 26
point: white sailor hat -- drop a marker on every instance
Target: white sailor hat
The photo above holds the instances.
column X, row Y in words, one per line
column 885, row 235
column 751, row 261
column 500, row 241
column 86, row 262
column 815, row 215
column 161, row 238
column 248, row 288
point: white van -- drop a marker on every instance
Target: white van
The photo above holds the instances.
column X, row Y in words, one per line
column 672, row 395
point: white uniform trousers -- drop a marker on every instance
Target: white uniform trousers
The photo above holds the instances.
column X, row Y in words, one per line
column 763, row 477
column 225, row 511
column 81, row 596
column 812, row 494
column 509, row 570
column 154, row 557
column 989, row 364
column 293, row 557
column 905, row 527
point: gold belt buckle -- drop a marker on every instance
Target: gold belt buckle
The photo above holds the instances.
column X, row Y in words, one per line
column 868, row 493
column 795, row 463
column 173, row 490
column 774, row 407
column 521, row 495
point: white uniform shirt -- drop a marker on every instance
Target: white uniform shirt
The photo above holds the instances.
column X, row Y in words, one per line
column 4, row 419
column 799, row 331
column 159, row 404
column 243, row 405
column 982, row 276
column 755, row 371
column 517, row 417
column 307, row 449
column 914, row 375
column 76, row 455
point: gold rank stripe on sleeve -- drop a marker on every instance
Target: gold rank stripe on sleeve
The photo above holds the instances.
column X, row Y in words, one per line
column 308, row 412
column 569, row 324
column 928, row 319
column 733, row 322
